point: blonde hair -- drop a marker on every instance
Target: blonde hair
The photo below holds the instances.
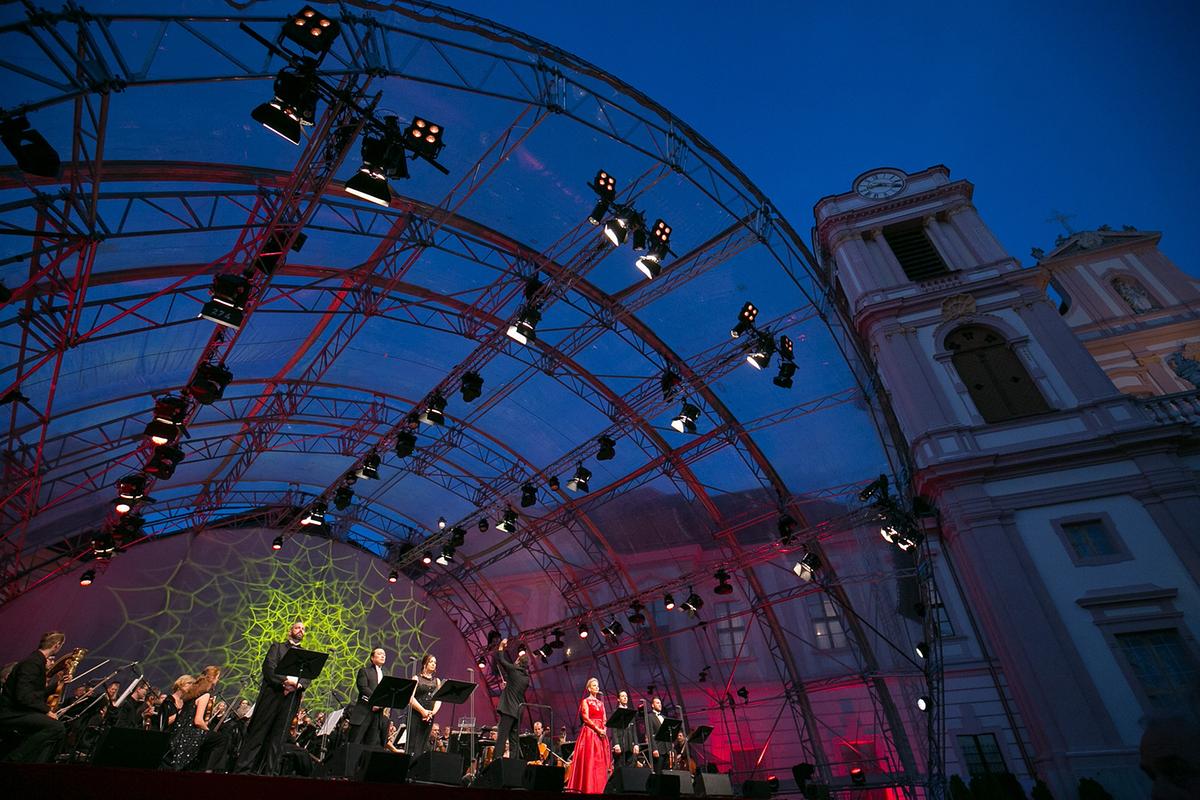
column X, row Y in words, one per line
column 51, row 638
column 181, row 682
column 203, row 684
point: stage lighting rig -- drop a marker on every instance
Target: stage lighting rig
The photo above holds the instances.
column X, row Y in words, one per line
column 472, row 386
column 434, row 413
column 482, row 525
column 130, row 490
column 342, row 498
column 209, row 384
column 315, row 516
column 762, row 350
column 508, row 523
column 660, row 245
column 636, row 614
column 529, row 315
column 686, row 421
column 31, row 151
column 370, row 467
column 275, row 247
column 605, row 187
column 87, row 578
column 393, row 576
column 441, row 523
column 230, row 294
column 583, row 630
column 787, row 363
column 806, row 568
column 579, row 481
column 669, row 384
column 427, row 558
column 424, row 138
column 128, row 528
column 745, row 321
column 612, row 631
column 723, row 586
column 528, row 495
column 277, row 543
column 608, row 448
column 312, row 30
column 876, row 490
column 458, row 536
column 447, row 556
column 383, row 157
column 406, row 442
column 103, row 547
column 693, row 604
column 625, row 220
column 786, row 526
column 294, row 103
column 669, row 602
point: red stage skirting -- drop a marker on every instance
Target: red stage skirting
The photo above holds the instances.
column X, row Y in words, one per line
column 84, row 782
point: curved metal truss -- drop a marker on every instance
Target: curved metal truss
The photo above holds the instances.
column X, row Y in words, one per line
column 64, row 303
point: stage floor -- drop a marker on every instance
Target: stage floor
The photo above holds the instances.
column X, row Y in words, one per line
column 84, row 782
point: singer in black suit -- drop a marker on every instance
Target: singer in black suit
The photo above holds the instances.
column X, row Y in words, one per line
column 278, row 700
column 654, row 721
column 23, row 705
column 368, row 724
column 516, row 681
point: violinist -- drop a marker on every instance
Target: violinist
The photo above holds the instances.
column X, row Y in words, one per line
column 24, row 705
column 131, row 713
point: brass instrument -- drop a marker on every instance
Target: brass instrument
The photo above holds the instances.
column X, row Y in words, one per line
column 62, row 673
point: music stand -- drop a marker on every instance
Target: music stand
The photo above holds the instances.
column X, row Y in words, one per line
column 621, row 718
column 529, row 748
column 700, row 735
column 668, row 730
column 454, row 692
column 304, row 664
column 392, row 693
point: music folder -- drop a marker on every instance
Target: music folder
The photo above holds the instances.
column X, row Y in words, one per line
column 304, row 664
column 668, row 730
column 454, row 692
column 392, row 693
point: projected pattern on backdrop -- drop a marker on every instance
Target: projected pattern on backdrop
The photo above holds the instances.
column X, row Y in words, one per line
column 256, row 599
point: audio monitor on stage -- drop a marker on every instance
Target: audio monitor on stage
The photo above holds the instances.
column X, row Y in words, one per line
column 129, row 747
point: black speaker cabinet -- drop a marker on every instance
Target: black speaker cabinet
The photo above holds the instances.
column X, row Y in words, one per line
column 666, row 784
column 435, row 766
column 503, row 773
column 713, row 784
column 628, row 780
column 129, row 747
column 542, row 778
column 685, row 780
column 756, row 789
column 343, row 762
column 382, row 766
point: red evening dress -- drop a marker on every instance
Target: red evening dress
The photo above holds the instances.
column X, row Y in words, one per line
column 590, row 761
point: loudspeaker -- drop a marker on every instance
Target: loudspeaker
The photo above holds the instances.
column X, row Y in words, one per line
column 628, row 780
column 382, row 766
column 665, row 784
column 129, row 747
column 713, row 784
column 756, row 789
column 343, row 762
column 542, row 778
column 503, row 773
column 685, row 780
column 435, row 766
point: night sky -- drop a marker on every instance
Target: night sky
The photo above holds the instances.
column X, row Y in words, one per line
column 1090, row 109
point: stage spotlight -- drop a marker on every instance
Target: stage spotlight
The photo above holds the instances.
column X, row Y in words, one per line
column 312, row 30
column 163, row 461
column 342, row 497
column 922, row 650
column 481, row 662
column 393, row 576
column 607, row 448
column 132, row 487
column 277, row 543
column 458, row 536
column 636, row 617
column 294, row 104
column 806, row 568
column 617, row 229
column 528, row 495
column 612, row 631
column 128, row 527
column 723, row 585
column 693, row 604
column 161, row 433
column 686, row 421
column 773, row 783
column 787, row 371
column 104, row 547
column 370, row 467
column 743, row 693
column 802, row 773
column 447, row 556
column 441, row 523
column 605, row 187
column 209, row 384
column 521, row 649
column 276, row 120
column 669, row 602
column 87, row 578
column 553, row 483
column 406, row 442
column 669, row 383
column 509, row 523
column 660, row 244
column 583, row 630
column 557, row 642
column 427, row 558
column 525, row 328
column 424, row 138
column 472, row 386
column 482, row 525
column 745, row 321
column 383, row 157
column 370, row 184
column 924, row 703
column 703, row 676
column 786, row 526
column 761, row 351
column 315, row 514
column 875, row 490
column 579, row 483
column 543, row 652
column 230, row 293
column 169, row 413
column 434, row 413
column 857, row 776
column 29, row 149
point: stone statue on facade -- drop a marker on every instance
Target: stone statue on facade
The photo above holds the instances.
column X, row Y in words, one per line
column 1185, row 368
column 1138, row 299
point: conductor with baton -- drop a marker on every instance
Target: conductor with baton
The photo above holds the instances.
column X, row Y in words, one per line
column 516, row 681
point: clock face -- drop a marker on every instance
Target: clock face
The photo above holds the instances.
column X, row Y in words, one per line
column 879, row 185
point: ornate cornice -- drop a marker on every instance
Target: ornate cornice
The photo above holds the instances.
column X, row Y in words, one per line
column 957, row 189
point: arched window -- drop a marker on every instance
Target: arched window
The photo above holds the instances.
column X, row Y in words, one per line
column 1134, row 294
column 998, row 382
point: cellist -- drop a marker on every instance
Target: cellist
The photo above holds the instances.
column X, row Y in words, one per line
column 24, row 704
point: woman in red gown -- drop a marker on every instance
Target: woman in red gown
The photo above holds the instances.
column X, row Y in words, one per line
column 590, row 761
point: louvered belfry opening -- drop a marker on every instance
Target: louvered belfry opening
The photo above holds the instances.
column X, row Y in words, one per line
column 918, row 257
column 997, row 381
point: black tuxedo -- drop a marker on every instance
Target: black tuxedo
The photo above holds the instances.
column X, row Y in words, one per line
column 653, row 723
column 367, row 726
column 516, row 681
column 262, row 748
column 23, row 707
column 623, row 737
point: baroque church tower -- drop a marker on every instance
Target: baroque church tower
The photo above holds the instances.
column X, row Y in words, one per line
column 1066, row 488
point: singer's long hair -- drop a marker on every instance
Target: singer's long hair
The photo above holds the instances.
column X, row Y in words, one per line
column 204, row 683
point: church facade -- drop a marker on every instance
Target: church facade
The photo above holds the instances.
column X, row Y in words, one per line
column 1053, row 419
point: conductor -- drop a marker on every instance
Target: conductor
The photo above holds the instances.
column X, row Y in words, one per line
column 516, row 681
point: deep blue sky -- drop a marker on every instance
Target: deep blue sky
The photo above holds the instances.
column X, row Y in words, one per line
column 1089, row 108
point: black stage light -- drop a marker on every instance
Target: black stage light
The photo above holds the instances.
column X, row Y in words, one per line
column 583, row 630
column 447, row 556
column 434, row 413
column 612, row 631
column 669, row 602
column 427, row 558
column 370, row 467
column 87, row 578
column 922, row 650
column 458, row 536
column 528, row 495
column 669, row 383
column 383, row 157
column 277, row 543
column 104, row 547
column 406, row 442
column 29, row 149
column 482, row 525
column 294, row 103
column 424, row 138
column 161, row 432
column 579, row 483
column 636, row 617
column 723, row 585
column 686, row 421
column 875, row 490
column 605, row 187
column 509, row 523
column 693, row 604
column 806, row 568
column 557, row 642
column 230, row 293
column 312, row 30
column 472, row 386
column 761, row 351
column 315, row 514
column 128, row 527
column 553, row 483
column 743, row 693
column 607, row 448
column 525, row 328
column 660, row 244
column 857, row 776
column 787, row 529
column 209, row 384
column 802, row 773
column 132, row 486
column 703, row 676
column 273, row 250
column 441, row 523
column 787, row 371
column 393, row 576
column 924, row 703
column 163, row 461
column 342, row 497
column 481, row 662
column 745, row 321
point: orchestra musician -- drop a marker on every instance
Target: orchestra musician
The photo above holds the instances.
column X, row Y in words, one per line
column 278, row 697
column 131, row 714
column 368, row 724
column 422, row 707
column 191, row 724
column 24, row 705
column 516, row 681
column 678, row 756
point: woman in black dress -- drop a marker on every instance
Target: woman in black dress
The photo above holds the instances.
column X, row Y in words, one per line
column 422, row 707
column 191, row 725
